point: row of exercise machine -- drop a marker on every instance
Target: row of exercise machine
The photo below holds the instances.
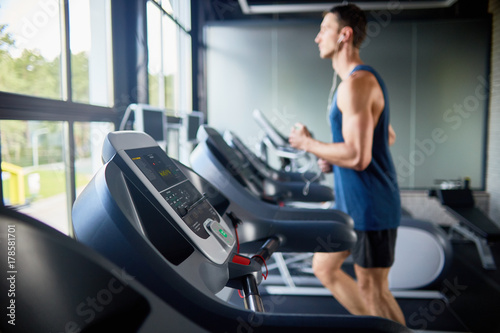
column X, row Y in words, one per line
column 160, row 244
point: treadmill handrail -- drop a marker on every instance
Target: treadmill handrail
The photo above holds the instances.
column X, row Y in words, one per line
column 276, row 138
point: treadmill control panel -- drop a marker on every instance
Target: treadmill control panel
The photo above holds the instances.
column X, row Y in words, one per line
column 221, row 233
column 174, row 187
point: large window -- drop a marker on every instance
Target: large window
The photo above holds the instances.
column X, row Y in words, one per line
column 169, row 50
column 58, row 96
column 55, row 66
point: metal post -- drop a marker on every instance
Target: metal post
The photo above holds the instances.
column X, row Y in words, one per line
column 251, row 294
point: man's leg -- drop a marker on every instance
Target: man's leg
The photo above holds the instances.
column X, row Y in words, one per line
column 373, row 285
column 327, row 268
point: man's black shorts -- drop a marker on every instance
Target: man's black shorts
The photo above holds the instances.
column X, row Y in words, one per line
column 375, row 248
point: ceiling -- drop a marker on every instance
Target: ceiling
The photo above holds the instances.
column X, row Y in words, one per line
column 223, row 10
column 298, row 6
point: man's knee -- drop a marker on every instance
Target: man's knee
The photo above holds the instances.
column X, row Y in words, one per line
column 327, row 265
column 322, row 271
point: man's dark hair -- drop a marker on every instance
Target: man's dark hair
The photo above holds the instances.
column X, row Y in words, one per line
column 352, row 16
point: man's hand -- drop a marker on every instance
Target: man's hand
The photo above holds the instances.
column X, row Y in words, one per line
column 325, row 166
column 299, row 136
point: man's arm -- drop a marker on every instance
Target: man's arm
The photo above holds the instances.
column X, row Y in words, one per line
column 392, row 135
column 355, row 99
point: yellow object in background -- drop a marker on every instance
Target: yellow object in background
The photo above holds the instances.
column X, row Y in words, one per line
column 16, row 193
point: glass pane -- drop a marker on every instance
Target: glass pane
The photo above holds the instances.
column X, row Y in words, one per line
column 89, row 138
column 167, row 6
column 169, row 49
column 90, row 51
column 186, row 81
column 79, row 20
column 30, row 48
column 154, row 53
column 33, row 170
column 170, row 63
column 182, row 11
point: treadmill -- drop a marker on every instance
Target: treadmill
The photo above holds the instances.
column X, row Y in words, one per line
column 55, row 284
column 144, row 214
column 215, row 161
column 267, row 171
column 292, row 159
column 271, row 187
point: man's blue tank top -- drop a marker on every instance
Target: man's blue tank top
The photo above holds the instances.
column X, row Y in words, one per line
column 371, row 197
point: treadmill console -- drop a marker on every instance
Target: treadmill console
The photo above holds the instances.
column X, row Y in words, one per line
column 175, row 188
column 155, row 174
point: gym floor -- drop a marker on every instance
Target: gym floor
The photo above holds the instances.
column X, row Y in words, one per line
column 472, row 298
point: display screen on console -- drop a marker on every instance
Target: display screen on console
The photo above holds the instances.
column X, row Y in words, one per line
column 162, row 173
column 174, row 187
